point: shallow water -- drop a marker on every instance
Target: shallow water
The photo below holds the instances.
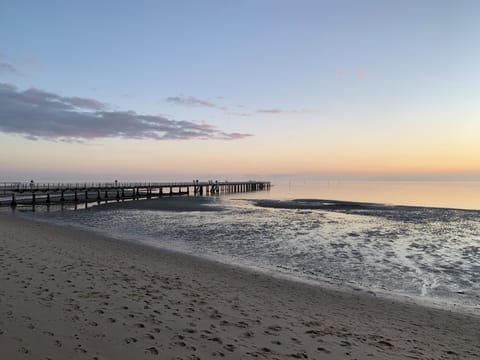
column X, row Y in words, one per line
column 429, row 254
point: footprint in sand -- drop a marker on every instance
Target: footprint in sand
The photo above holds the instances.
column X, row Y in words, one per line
column 216, row 339
column 218, row 353
column 275, row 328
column 314, row 333
column 80, row 350
column 130, row 340
column 384, row 344
column 301, row 355
column 248, row 334
column 230, row 347
column 189, row 330
column 450, row 352
column 321, row 349
column 296, row 341
column 152, row 350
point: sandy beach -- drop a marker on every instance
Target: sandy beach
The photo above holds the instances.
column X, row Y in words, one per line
column 71, row 294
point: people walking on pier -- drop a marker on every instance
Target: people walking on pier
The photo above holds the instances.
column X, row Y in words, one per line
column 32, row 184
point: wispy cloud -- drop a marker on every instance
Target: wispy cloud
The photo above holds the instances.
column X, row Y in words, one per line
column 193, row 101
column 196, row 102
column 6, row 67
column 38, row 114
column 281, row 111
column 271, row 111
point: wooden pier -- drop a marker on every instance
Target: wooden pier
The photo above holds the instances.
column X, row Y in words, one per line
column 18, row 193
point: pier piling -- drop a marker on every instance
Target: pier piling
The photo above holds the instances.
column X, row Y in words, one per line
column 16, row 194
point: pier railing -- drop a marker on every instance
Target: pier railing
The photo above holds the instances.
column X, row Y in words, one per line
column 31, row 193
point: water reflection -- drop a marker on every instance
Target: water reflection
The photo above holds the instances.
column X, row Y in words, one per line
column 460, row 195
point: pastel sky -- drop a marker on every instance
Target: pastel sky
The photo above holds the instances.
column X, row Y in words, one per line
column 166, row 90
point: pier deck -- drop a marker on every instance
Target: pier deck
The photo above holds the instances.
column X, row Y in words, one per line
column 19, row 193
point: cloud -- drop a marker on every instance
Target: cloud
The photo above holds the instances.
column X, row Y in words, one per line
column 7, row 68
column 281, row 111
column 193, row 101
column 38, row 114
column 43, row 98
column 271, row 111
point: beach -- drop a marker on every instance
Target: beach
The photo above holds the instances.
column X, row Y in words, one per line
column 72, row 294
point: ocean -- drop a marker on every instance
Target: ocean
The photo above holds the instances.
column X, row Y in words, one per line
column 418, row 241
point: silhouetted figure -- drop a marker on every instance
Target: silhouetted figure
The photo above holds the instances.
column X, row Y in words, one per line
column 32, row 184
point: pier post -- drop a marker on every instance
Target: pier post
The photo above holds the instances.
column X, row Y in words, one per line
column 61, row 192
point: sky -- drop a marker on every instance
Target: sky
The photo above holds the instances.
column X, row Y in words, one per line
column 173, row 90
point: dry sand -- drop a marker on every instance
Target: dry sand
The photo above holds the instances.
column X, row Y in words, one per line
column 69, row 294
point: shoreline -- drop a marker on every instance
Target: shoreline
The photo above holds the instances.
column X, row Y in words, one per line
column 199, row 307
column 209, row 204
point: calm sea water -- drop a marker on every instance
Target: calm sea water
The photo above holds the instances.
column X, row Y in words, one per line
column 415, row 240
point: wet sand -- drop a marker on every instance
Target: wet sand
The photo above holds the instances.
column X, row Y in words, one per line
column 70, row 294
column 175, row 203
